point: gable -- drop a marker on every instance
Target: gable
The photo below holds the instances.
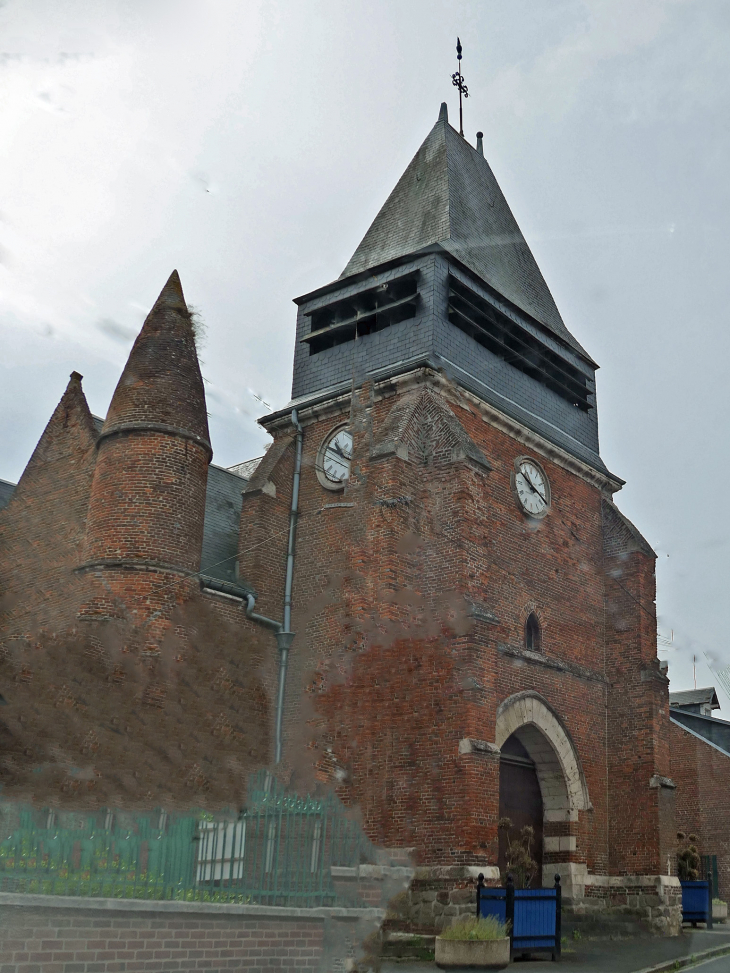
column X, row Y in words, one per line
column 620, row 536
column 422, row 429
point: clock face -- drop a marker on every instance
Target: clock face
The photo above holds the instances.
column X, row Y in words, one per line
column 532, row 488
column 337, row 455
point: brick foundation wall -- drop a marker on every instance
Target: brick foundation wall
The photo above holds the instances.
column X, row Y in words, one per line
column 42, row 934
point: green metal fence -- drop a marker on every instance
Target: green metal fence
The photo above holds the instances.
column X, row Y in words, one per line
column 279, row 850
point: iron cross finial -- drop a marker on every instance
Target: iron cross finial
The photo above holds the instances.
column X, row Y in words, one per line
column 457, row 79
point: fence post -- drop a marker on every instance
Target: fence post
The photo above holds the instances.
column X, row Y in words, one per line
column 510, row 909
column 710, row 896
column 558, row 917
column 480, row 883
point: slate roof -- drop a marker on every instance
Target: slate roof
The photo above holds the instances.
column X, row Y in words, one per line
column 245, row 469
column 695, row 697
column 448, row 198
column 6, row 492
column 223, row 504
column 708, row 728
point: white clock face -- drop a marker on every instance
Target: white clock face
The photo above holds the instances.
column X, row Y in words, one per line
column 533, row 490
column 337, row 456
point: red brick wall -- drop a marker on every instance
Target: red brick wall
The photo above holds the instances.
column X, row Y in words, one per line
column 702, row 776
column 638, row 720
column 389, row 670
column 87, row 941
column 148, row 500
column 399, row 673
column 42, row 528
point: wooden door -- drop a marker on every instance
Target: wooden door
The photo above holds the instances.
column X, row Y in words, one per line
column 520, row 800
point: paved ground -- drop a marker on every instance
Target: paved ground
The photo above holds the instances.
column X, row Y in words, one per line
column 613, row 956
column 719, row 965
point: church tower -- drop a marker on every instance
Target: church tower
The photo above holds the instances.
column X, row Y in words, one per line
column 468, row 646
column 444, row 279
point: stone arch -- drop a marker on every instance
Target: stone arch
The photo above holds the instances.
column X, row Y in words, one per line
column 540, row 730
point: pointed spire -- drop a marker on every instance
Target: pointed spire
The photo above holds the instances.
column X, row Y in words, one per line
column 172, row 295
column 161, row 382
column 71, row 426
column 448, row 199
column 444, row 112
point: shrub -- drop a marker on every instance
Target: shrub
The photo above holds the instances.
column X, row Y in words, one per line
column 519, row 861
column 688, row 858
column 471, row 928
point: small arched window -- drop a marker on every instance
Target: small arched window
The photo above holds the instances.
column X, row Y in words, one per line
column 532, row 633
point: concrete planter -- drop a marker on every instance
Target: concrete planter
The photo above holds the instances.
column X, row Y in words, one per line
column 475, row 954
column 719, row 911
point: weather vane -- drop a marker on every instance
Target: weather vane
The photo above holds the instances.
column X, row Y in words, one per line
column 457, row 79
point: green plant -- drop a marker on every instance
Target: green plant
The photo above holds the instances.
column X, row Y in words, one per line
column 519, row 861
column 719, row 902
column 577, row 934
column 688, row 857
column 470, row 928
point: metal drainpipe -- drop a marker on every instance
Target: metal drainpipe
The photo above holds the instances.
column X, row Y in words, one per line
column 284, row 635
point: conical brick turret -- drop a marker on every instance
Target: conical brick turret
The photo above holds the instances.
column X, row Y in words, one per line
column 161, row 382
column 42, row 530
column 148, row 496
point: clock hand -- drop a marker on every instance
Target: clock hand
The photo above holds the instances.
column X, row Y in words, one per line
column 337, row 450
column 533, row 487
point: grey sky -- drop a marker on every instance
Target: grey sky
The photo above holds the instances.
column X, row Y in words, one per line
column 250, row 144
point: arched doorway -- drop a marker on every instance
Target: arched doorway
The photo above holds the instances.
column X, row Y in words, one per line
column 520, row 800
column 537, row 747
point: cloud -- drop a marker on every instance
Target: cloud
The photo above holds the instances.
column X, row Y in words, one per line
column 116, row 331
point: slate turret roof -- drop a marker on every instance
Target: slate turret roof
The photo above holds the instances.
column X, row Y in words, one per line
column 448, row 198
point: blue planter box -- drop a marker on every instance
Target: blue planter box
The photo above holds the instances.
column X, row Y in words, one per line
column 697, row 902
column 534, row 915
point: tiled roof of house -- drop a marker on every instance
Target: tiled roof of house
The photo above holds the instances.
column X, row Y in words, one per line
column 6, row 492
column 695, row 697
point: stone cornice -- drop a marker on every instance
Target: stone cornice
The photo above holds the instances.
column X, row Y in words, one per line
column 338, row 402
column 560, row 665
column 125, row 428
column 128, row 564
column 32, row 900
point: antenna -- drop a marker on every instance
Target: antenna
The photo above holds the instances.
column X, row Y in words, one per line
column 457, row 79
